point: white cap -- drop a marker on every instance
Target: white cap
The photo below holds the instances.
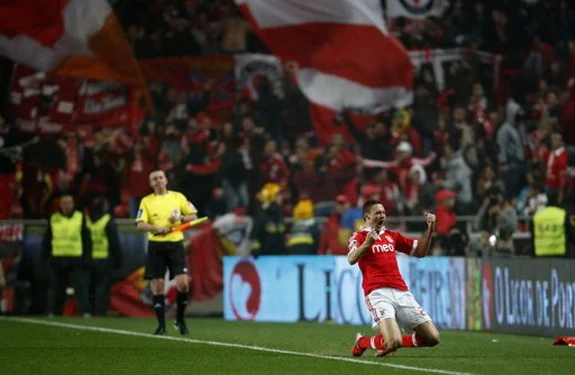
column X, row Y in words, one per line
column 422, row 175
column 404, row 147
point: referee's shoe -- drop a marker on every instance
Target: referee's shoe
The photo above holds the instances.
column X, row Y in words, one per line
column 181, row 327
column 161, row 331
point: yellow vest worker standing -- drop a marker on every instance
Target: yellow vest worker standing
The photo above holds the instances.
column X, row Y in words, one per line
column 158, row 212
column 268, row 234
column 303, row 237
column 67, row 247
column 106, row 254
column 551, row 230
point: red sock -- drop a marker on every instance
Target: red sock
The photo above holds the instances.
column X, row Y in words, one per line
column 373, row 342
column 412, row 341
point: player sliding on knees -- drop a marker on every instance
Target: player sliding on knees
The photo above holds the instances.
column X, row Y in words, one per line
column 389, row 302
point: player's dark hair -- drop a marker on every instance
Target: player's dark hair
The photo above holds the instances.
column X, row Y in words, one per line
column 368, row 205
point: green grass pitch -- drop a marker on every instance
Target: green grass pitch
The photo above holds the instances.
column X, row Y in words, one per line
column 124, row 346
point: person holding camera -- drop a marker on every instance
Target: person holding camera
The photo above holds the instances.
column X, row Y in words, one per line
column 497, row 221
column 452, row 238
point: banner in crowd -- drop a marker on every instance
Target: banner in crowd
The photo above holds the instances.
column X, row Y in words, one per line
column 193, row 76
column 11, row 234
column 444, row 62
column 308, row 288
column 47, row 104
column 415, row 9
column 251, row 68
column 69, row 38
column 440, row 63
column 331, row 43
column 535, row 296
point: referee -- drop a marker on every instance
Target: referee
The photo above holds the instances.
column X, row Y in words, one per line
column 158, row 212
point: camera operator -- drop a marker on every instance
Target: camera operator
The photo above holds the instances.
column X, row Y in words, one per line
column 497, row 221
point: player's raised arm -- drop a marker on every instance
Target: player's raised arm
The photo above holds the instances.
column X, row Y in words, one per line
column 355, row 251
column 424, row 242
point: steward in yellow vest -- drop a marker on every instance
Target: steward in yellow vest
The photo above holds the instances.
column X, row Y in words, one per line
column 66, row 248
column 268, row 234
column 551, row 230
column 303, row 236
column 106, row 254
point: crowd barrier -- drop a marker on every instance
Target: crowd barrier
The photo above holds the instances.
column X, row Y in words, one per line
column 530, row 296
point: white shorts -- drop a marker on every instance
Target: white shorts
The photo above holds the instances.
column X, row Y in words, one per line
column 389, row 303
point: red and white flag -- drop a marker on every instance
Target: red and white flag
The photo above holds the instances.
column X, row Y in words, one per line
column 73, row 38
column 345, row 56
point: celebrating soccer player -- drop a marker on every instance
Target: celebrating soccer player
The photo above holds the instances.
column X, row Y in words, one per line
column 373, row 248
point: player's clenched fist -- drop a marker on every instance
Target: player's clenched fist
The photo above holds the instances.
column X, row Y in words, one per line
column 372, row 237
column 430, row 219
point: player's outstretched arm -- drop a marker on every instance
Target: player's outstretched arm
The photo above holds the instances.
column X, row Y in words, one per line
column 424, row 242
column 355, row 252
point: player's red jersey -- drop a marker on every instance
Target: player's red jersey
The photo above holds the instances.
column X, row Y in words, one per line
column 378, row 264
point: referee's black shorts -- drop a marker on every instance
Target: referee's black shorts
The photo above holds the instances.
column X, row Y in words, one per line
column 165, row 255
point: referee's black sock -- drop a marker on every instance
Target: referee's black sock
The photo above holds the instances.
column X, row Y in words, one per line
column 182, row 304
column 160, row 309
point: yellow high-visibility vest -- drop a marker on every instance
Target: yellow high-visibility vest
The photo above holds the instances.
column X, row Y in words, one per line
column 66, row 235
column 549, row 232
column 300, row 234
column 100, row 245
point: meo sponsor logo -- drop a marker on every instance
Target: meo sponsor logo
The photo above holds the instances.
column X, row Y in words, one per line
column 385, row 248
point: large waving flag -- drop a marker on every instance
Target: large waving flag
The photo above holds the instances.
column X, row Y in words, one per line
column 74, row 38
column 344, row 53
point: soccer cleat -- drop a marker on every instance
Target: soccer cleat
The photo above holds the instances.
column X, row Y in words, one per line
column 181, row 327
column 161, row 331
column 356, row 351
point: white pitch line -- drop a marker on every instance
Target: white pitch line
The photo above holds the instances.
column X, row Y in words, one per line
column 228, row 345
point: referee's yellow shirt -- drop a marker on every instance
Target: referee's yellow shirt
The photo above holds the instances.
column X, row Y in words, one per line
column 157, row 210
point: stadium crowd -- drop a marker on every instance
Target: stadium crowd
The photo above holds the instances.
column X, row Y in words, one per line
column 471, row 149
